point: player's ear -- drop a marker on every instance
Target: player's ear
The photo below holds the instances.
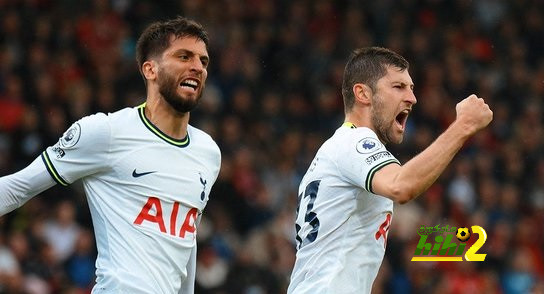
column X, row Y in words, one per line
column 363, row 93
column 149, row 69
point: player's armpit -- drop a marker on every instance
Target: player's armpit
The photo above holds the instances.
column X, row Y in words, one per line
column 18, row 188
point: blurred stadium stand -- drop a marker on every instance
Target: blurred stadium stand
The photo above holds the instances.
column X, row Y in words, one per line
column 272, row 96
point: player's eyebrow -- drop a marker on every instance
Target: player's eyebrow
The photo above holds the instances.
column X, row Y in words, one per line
column 403, row 84
column 203, row 58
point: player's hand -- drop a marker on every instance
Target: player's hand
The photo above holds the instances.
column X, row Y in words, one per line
column 473, row 114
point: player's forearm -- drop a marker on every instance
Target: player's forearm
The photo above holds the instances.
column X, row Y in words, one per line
column 420, row 172
column 403, row 183
column 18, row 188
column 11, row 195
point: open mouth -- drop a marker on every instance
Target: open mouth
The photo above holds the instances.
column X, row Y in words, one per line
column 402, row 118
column 190, row 84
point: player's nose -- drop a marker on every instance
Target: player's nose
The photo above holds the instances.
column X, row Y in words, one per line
column 410, row 98
column 197, row 66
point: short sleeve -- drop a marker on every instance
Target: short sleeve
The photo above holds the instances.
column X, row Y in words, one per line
column 361, row 156
column 81, row 151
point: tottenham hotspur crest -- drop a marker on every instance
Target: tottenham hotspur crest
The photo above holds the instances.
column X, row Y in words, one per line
column 204, row 183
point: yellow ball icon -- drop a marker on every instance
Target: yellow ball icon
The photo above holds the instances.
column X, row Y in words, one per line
column 463, row 234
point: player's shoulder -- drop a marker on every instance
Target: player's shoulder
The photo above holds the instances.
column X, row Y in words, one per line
column 100, row 124
column 90, row 130
column 352, row 134
column 200, row 135
column 94, row 124
column 122, row 115
column 94, row 119
column 102, row 118
column 201, row 138
column 360, row 140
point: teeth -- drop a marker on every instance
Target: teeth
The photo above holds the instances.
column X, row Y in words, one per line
column 191, row 82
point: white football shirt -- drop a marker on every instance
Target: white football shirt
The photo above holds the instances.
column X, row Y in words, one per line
column 341, row 224
column 145, row 192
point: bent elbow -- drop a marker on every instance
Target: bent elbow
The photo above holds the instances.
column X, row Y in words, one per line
column 403, row 199
column 402, row 195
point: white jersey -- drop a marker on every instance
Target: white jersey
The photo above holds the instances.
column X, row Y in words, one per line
column 145, row 192
column 341, row 224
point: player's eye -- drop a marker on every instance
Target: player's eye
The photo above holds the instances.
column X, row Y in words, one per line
column 184, row 57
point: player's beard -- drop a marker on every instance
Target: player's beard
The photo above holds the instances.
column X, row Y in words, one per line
column 382, row 126
column 168, row 88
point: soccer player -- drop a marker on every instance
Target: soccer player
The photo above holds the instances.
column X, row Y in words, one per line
column 146, row 172
column 346, row 196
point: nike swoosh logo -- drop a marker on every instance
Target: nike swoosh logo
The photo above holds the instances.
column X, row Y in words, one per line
column 136, row 175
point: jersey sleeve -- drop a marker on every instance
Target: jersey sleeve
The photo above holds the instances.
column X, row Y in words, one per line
column 361, row 157
column 16, row 189
column 81, row 151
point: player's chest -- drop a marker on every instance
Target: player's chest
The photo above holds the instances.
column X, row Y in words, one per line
column 170, row 174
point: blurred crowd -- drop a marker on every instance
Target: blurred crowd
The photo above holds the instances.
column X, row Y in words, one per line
column 272, row 97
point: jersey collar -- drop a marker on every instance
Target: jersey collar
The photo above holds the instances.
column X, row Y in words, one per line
column 176, row 142
column 349, row 125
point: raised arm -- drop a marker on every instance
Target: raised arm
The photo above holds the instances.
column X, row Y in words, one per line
column 18, row 188
column 403, row 183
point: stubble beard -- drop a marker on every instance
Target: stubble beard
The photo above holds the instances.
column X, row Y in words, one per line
column 168, row 87
column 381, row 126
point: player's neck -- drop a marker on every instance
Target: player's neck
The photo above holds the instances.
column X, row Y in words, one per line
column 359, row 119
column 165, row 118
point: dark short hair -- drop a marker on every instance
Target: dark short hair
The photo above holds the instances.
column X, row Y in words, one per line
column 156, row 37
column 367, row 66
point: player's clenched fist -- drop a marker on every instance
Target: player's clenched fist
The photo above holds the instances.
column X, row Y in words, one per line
column 473, row 114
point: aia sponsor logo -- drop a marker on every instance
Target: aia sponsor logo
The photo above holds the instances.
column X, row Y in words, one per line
column 179, row 221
